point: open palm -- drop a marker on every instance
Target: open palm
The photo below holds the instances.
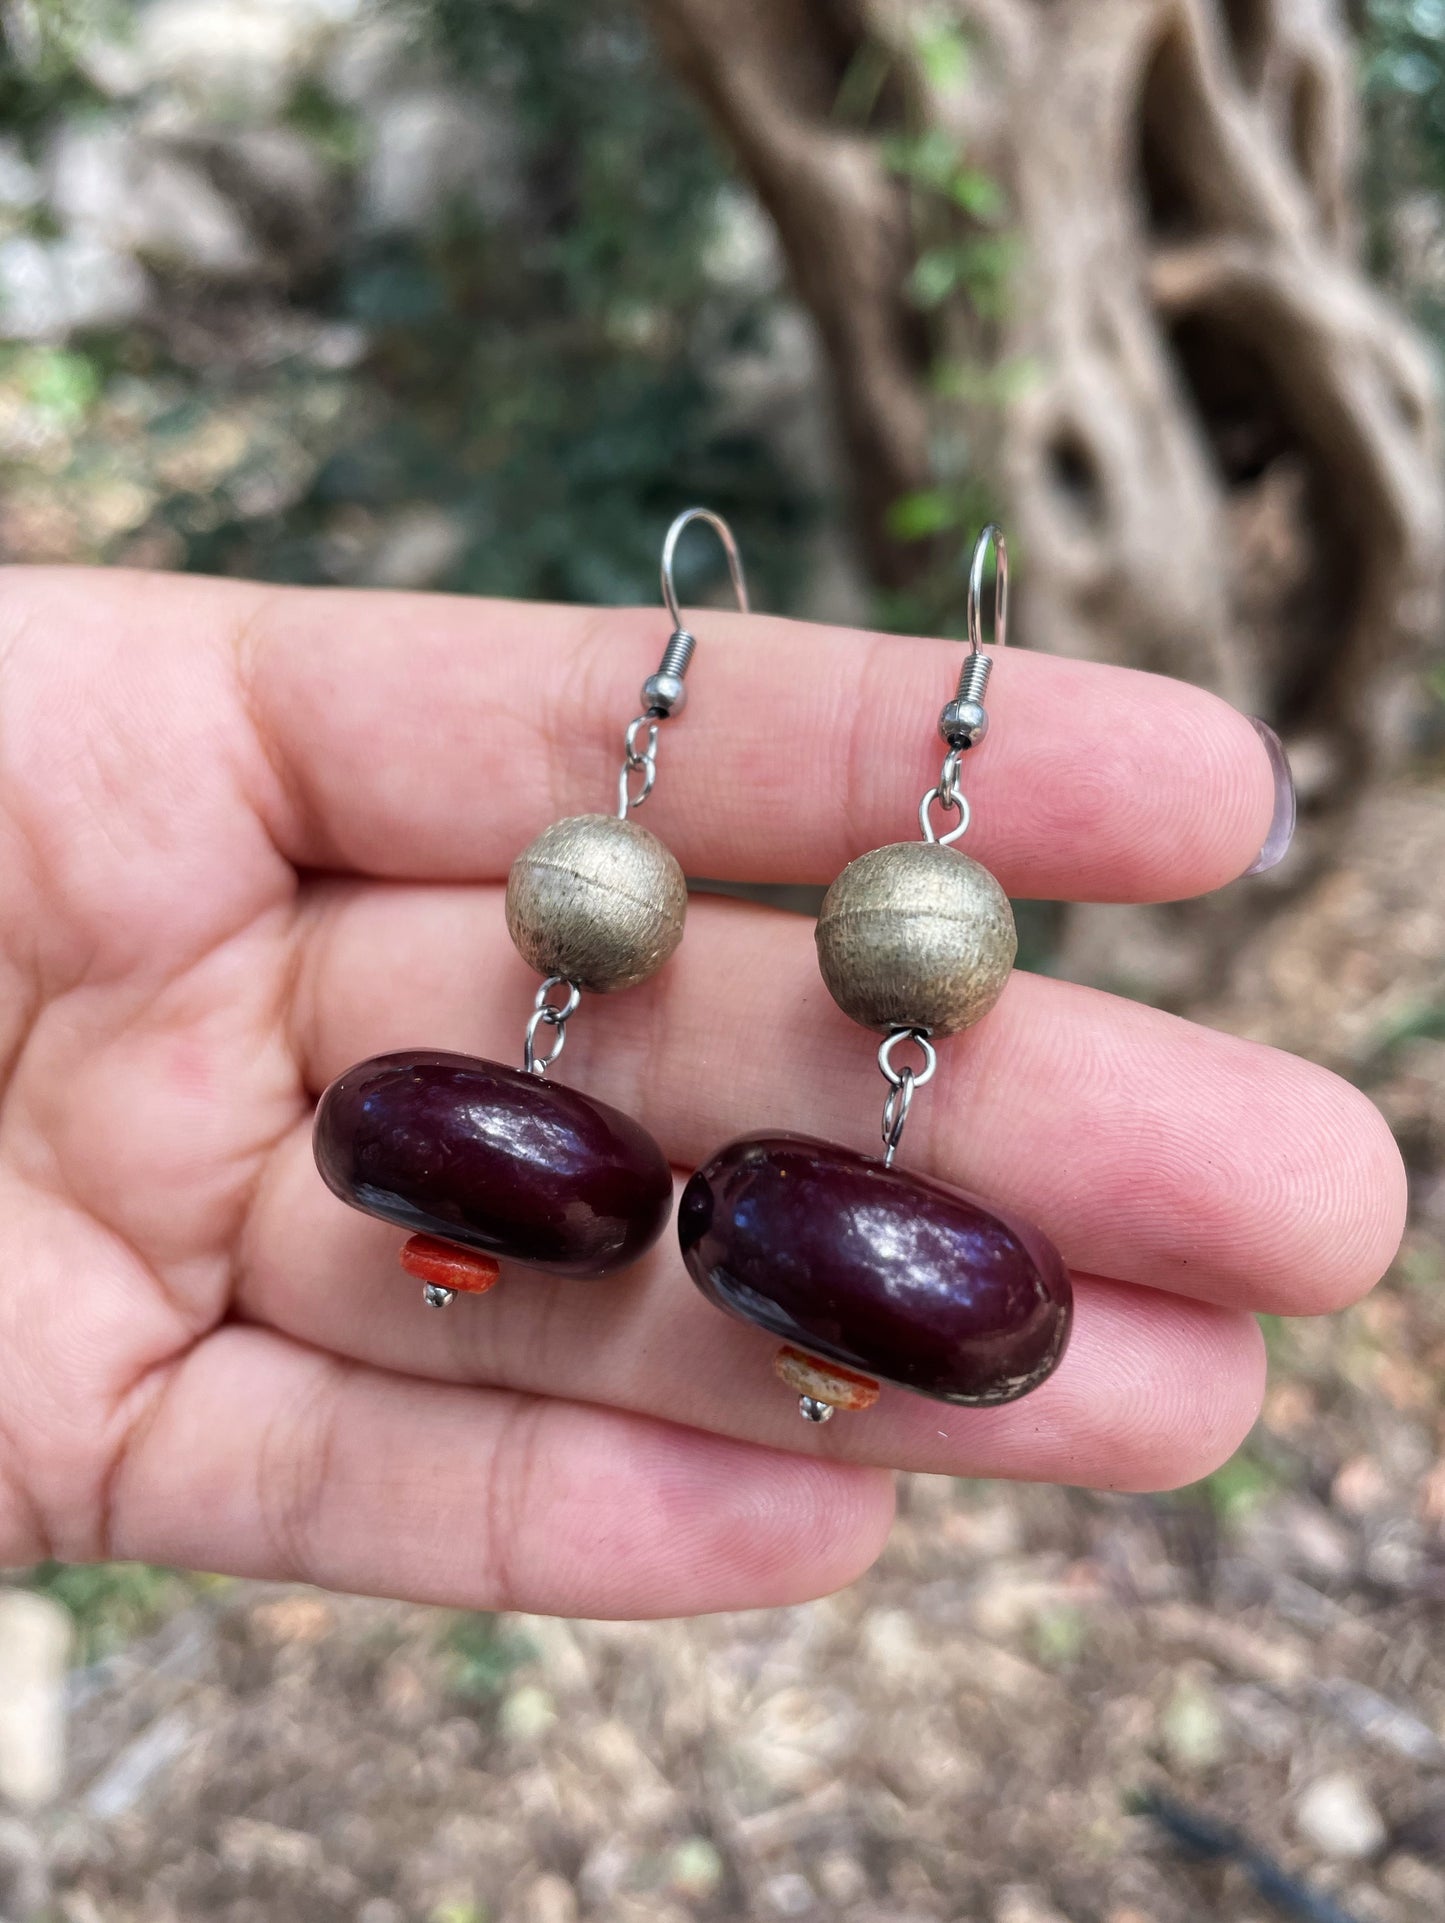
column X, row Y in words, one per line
column 248, row 836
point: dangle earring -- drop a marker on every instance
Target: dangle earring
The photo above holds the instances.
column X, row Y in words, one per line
column 865, row 1272
column 484, row 1161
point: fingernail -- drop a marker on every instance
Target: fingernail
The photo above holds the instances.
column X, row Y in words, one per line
column 1281, row 827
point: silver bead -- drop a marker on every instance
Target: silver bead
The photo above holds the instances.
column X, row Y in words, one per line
column 596, row 900
column 963, row 724
column 916, row 935
column 664, row 694
column 812, row 1410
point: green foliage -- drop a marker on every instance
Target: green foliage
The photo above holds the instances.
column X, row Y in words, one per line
column 112, row 1603
column 483, row 1654
column 1060, row 1634
column 964, row 263
column 942, row 52
column 60, row 386
column 547, row 382
column 1403, row 72
column 333, row 127
column 1238, row 1488
column 39, row 75
column 1423, row 1021
column 544, row 374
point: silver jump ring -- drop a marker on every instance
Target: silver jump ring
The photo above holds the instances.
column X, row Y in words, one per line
column 948, row 779
column 532, row 1062
column 558, row 1011
column 917, row 1077
column 637, row 757
column 547, row 1013
column 925, row 825
column 627, row 800
column 895, row 1112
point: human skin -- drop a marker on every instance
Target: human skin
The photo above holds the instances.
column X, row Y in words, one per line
column 249, row 836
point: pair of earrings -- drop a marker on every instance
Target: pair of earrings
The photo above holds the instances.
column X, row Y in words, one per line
column 865, row 1272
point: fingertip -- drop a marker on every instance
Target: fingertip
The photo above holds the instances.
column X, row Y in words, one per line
column 1163, row 1390
column 774, row 1528
column 1319, row 1207
column 1213, row 791
column 1112, row 784
column 1154, row 1392
column 1363, row 1198
column 1202, row 1409
column 1243, row 762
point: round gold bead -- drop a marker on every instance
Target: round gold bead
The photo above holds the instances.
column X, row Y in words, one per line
column 597, row 900
column 915, row 935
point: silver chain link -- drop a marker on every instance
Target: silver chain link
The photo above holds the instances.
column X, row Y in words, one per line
column 949, row 798
column 637, row 760
column 901, row 1084
column 548, row 1013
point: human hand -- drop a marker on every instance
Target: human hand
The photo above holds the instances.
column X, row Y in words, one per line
column 251, row 835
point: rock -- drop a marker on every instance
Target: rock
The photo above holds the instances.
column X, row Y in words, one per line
column 108, row 180
column 1361, row 1488
column 790, row 1894
column 1336, row 1815
column 796, row 1738
column 842, row 1878
column 381, row 1909
column 1192, row 1724
column 122, row 1784
column 550, row 1899
column 892, row 1646
column 695, row 1869
column 364, row 64
column 415, row 548
column 742, row 253
column 50, row 289
column 278, row 185
column 1022, row 1903
column 24, row 1884
column 1420, row 1884
column 19, row 183
column 526, row 1715
column 431, row 146
column 247, row 54
column 604, row 1870
column 35, row 1644
column 1381, row 1722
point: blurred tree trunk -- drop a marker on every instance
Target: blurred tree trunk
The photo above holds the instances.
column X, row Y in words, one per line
column 1214, row 441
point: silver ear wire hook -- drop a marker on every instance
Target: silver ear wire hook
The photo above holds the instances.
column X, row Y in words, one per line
column 665, row 693
column 964, row 722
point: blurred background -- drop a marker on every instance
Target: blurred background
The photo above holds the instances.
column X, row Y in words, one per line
column 473, row 295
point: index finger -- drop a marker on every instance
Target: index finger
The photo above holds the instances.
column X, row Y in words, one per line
column 431, row 737
column 427, row 736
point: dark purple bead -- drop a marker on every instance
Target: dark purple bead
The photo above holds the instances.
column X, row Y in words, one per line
column 493, row 1159
column 887, row 1272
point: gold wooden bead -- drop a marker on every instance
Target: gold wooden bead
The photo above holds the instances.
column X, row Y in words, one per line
column 916, row 935
column 597, row 900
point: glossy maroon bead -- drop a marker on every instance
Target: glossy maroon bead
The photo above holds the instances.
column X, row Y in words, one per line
column 882, row 1270
column 493, row 1159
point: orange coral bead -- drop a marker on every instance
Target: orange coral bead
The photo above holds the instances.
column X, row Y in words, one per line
column 444, row 1266
column 822, row 1381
